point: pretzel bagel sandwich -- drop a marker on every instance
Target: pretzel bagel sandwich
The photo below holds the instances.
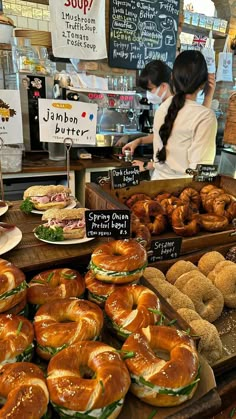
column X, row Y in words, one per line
column 55, row 284
column 154, row 380
column 12, row 285
column 16, row 338
column 131, row 307
column 88, row 379
column 119, row 261
column 23, row 386
column 62, row 224
column 98, row 291
column 64, row 322
column 48, row 196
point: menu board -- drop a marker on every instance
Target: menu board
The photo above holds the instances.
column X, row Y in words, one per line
column 206, row 172
column 107, row 223
column 163, row 249
column 142, row 31
column 125, row 176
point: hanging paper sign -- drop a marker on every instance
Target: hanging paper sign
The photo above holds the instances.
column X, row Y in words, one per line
column 60, row 119
column 78, row 29
column 11, row 130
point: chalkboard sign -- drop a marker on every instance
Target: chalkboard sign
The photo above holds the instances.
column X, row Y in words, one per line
column 142, row 31
column 108, row 223
column 165, row 249
column 206, row 172
column 125, row 176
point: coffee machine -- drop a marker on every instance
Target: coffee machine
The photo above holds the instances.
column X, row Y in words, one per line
column 33, row 87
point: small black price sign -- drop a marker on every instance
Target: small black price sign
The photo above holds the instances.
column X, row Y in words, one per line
column 108, row 223
column 206, row 172
column 165, row 249
column 125, row 176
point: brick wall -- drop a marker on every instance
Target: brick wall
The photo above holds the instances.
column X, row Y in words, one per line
column 27, row 15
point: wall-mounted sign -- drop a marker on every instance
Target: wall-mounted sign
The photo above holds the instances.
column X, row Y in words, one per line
column 11, row 130
column 125, row 176
column 60, row 119
column 108, row 223
column 163, row 249
column 142, row 31
column 78, row 29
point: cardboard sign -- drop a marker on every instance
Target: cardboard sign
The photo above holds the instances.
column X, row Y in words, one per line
column 11, row 130
column 142, row 31
column 78, row 29
column 125, row 176
column 60, row 119
column 163, row 249
column 108, row 223
column 206, row 172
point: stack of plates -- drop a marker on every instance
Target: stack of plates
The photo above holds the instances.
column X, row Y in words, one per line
column 41, row 38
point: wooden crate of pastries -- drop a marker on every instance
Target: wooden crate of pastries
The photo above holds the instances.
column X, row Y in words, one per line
column 203, row 294
column 98, row 197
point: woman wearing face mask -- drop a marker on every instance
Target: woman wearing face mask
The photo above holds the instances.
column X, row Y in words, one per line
column 155, row 78
column 184, row 131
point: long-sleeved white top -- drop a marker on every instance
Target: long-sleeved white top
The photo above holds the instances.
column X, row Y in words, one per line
column 191, row 142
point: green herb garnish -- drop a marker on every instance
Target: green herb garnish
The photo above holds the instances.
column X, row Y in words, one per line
column 102, row 385
column 49, row 234
column 50, row 276
column 19, row 327
column 69, row 276
column 152, row 414
column 172, row 322
column 126, row 354
column 27, row 206
column 232, row 412
column 162, row 316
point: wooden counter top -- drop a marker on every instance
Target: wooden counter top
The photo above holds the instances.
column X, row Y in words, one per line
column 38, row 161
column 32, row 254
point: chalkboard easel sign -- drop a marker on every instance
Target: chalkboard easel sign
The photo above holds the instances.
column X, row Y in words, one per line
column 125, row 176
column 142, row 31
column 163, row 249
column 107, row 223
column 206, row 172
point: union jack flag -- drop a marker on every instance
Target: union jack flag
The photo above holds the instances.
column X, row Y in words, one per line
column 199, row 40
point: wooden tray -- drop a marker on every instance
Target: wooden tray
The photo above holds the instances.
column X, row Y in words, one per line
column 98, row 197
column 225, row 324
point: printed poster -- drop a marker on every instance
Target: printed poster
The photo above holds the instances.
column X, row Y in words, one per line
column 11, row 130
column 60, row 120
column 78, row 29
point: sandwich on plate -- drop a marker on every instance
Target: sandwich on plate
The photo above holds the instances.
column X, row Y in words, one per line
column 62, row 224
column 45, row 197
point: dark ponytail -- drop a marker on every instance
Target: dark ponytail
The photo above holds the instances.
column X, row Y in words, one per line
column 189, row 74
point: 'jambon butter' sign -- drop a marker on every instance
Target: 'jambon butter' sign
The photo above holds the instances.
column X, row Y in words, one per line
column 60, row 119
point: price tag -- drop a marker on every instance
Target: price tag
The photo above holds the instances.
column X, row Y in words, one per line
column 206, row 172
column 125, row 176
column 108, row 223
column 163, row 249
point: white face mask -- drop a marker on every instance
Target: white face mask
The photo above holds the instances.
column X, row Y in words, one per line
column 154, row 98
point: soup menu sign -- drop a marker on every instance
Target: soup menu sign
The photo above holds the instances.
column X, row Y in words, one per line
column 142, row 31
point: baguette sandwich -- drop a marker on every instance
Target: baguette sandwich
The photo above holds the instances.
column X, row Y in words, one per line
column 62, row 224
column 48, row 196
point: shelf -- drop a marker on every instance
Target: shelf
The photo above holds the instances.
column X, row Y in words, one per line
column 192, row 29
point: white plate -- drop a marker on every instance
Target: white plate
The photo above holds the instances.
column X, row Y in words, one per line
column 9, row 239
column 71, row 205
column 3, row 209
column 72, row 241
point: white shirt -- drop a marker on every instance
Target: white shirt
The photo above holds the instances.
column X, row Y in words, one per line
column 191, row 142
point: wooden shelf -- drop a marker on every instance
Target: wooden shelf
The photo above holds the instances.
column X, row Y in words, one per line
column 37, row 1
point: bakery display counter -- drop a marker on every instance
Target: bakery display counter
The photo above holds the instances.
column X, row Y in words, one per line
column 104, row 197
